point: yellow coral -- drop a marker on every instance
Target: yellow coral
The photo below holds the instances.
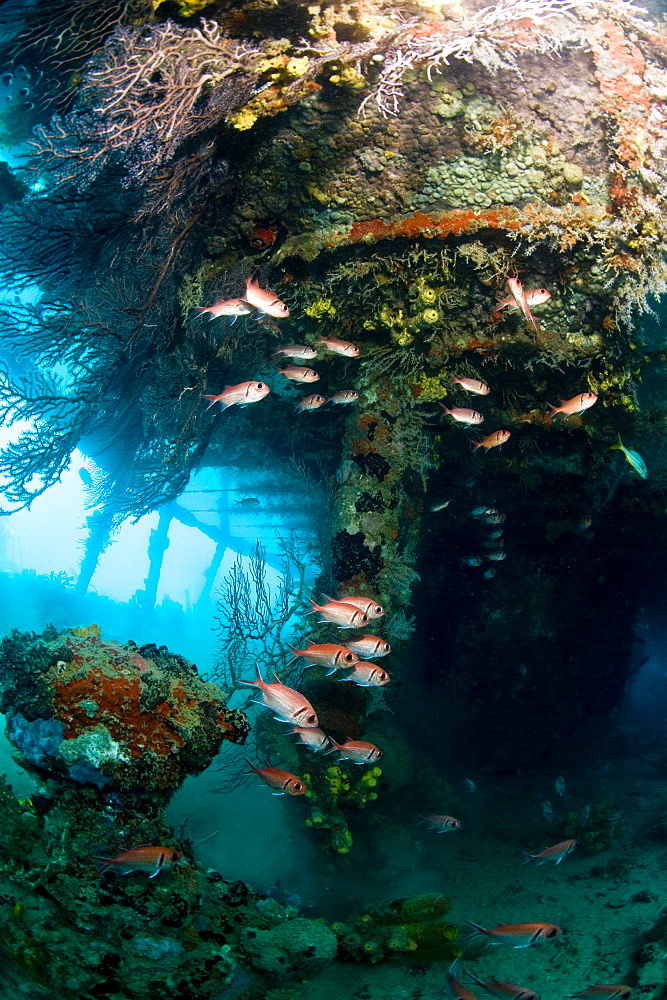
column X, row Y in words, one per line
column 430, row 387
column 244, row 119
column 319, row 308
column 87, row 632
column 186, row 8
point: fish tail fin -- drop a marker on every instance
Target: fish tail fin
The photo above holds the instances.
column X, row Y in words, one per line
column 477, row 929
column 297, row 652
column 202, row 309
column 313, row 606
column 212, row 403
column 258, row 682
column 454, row 967
column 527, row 858
column 252, row 767
column 474, row 445
column 553, row 410
column 619, row 444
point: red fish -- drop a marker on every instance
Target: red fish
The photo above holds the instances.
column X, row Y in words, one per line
column 492, row 440
column 288, row 704
column 454, row 988
column 473, row 385
column 367, row 675
column 313, row 738
column 339, row 613
column 443, row 824
column 326, row 654
column 517, row 935
column 300, row 351
column 344, row 396
column 463, row 416
column 311, row 402
column 142, row 859
column 358, row 751
column 264, row 301
column 534, row 297
column 367, row 646
column 343, row 347
column 367, row 604
column 226, row 307
column 516, row 288
column 575, row 405
column 502, row 990
column 555, row 853
column 284, row 781
column 239, row 395
column 299, row 374
column 604, row 992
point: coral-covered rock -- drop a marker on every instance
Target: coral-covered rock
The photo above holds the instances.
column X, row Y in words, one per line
column 103, row 713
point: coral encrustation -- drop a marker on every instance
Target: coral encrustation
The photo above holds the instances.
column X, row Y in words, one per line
column 105, row 713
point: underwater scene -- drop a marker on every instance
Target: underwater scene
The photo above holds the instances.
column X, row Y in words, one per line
column 333, row 496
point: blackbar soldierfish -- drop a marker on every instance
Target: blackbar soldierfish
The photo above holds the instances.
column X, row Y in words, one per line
column 226, row 307
column 517, row 935
column 367, row 675
column 297, row 374
column 367, row 646
column 344, row 396
column 142, row 859
column 534, row 297
column 339, row 613
column 264, row 301
column 358, row 751
column 494, row 440
column 604, row 992
column 343, row 347
column 555, row 853
column 326, row 654
column 462, row 415
column 473, row 385
column 367, row 604
column 497, row 988
column 289, row 705
column 443, row 824
column 239, row 395
column 577, row 404
column 285, row 782
column 300, row 351
column 311, row 402
column 454, row 988
column 516, row 288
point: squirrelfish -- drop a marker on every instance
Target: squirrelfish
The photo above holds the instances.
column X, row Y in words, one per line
column 264, row 301
column 340, row 613
column 300, row 351
column 289, row 705
column 492, row 440
column 454, row 988
column 239, row 395
column 463, row 416
column 517, row 935
column 367, row 604
column 604, row 992
column 343, row 347
column 226, row 307
column 443, row 824
column 555, row 853
column 516, row 288
column 367, row 646
column 473, row 385
column 358, row 751
column 326, row 654
column 534, row 297
column 315, row 739
column 299, row 374
column 496, row 556
column 311, row 402
column 635, row 460
column 503, row 990
column 285, row 782
column 367, row 675
column 142, row 859
column 344, row 396
column 575, row 405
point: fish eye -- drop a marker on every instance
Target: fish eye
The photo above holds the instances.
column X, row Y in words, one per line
column 385, row 646
column 260, row 385
column 550, row 933
column 297, row 786
column 311, row 718
column 383, row 676
column 175, row 855
column 349, row 657
column 378, row 609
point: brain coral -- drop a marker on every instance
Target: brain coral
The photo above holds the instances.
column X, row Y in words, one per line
column 111, row 713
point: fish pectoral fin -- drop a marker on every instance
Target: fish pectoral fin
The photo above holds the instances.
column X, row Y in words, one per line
column 156, row 872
